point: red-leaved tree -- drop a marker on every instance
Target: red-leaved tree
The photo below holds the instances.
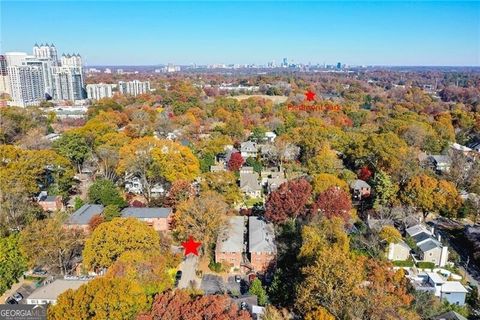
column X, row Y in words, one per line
column 288, row 201
column 333, row 202
column 95, row 221
column 235, row 162
column 364, row 173
column 179, row 305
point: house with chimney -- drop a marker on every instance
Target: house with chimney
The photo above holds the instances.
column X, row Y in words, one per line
column 429, row 247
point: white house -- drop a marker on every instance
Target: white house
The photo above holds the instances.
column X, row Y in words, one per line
column 430, row 249
column 248, row 149
column 399, row 251
column 49, row 293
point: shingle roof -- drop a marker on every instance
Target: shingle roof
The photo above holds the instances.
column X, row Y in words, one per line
column 450, row 315
column 261, row 236
column 358, row 184
column 231, row 238
column 416, row 229
column 249, row 181
column 422, row 236
column 435, row 277
column 429, row 245
column 146, row 212
column 83, row 215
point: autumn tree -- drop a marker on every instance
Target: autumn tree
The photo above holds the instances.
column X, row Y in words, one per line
column 323, row 181
column 111, row 239
column 175, row 162
column 390, row 234
column 95, row 221
column 235, row 162
column 333, row 202
column 201, row 217
column 12, row 262
column 430, row 195
column 325, row 161
column 385, row 189
column 288, row 201
column 153, row 270
column 101, row 298
column 180, row 305
column 224, row 183
column 180, row 191
column 48, row 243
column 107, row 153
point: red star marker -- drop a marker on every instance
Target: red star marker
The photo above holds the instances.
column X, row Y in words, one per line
column 310, row 95
column 191, row 246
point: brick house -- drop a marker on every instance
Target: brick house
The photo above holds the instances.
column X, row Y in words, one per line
column 80, row 218
column 158, row 218
column 50, row 203
column 230, row 247
column 261, row 244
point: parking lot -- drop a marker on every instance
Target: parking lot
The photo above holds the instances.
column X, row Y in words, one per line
column 212, row 284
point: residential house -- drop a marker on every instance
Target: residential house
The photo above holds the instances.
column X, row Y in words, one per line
column 50, row 203
column 429, row 248
column 48, row 294
column 134, row 185
column 270, row 136
column 475, row 146
column 360, row 189
column 459, row 148
column 261, row 244
column 217, row 168
column 249, row 184
column 248, row 149
column 272, row 178
column 452, row 291
column 80, row 218
column 399, row 251
column 441, row 163
column 230, row 242
column 225, row 157
column 159, row 218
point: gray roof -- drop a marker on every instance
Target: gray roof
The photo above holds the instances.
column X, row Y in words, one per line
column 429, row 245
column 52, row 290
column 83, row 215
column 441, row 159
column 419, row 237
column 261, row 236
column 231, row 238
column 358, row 184
column 413, row 230
column 146, row 212
column 450, row 315
column 249, row 181
column 248, row 146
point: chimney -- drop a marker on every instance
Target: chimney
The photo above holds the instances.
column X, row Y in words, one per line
column 433, row 231
column 439, row 238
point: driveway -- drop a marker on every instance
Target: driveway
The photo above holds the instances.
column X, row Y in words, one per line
column 188, row 268
column 25, row 287
column 212, row 284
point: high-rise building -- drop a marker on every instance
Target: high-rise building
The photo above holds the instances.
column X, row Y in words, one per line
column 4, row 78
column 339, row 65
column 41, row 76
column 99, row 91
column 46, row 51
column 134, row 87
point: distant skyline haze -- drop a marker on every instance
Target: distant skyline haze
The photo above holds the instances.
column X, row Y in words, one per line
column 424, row 33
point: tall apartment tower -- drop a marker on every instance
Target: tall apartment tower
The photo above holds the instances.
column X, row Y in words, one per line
column 46, row 51
column 99, row 91
column 4, row 78
column 134, row 87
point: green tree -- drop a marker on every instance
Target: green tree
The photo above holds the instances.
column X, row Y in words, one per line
column 257, row 289
column 256, row 164
column 74, row 147
column 111, row 211
column 12, row 262
column 385, row 189
column 78, row 203
column 105, row 192
column 224, row 183
column 111, row 239
column 206, row 161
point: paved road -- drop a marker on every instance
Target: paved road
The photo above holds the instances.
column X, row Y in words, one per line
column 212, row 284
column 188, row 267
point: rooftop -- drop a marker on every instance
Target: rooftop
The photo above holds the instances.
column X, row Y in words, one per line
column 146, row 212
column 52, row 290
column 260, row 236
column 453, row 286
column 435, row 277
column 83, row 215
column 231, row 238
column 358, row 184
column 429, row 245
column 249, row 181
column 417, row 229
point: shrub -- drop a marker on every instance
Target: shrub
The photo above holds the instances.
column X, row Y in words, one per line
column 403, row 263
column 425, row 265
column 215, row 266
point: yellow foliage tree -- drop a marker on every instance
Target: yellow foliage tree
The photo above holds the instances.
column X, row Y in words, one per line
column 323, row 181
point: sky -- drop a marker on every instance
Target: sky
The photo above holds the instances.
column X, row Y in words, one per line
column 155, row 32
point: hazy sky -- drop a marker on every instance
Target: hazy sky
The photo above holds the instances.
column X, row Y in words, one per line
column 154, row 32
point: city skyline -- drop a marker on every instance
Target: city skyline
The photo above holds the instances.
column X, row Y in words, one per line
column 154, row 33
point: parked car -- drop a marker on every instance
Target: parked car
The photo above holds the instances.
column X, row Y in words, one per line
column 39, row 272
column 243, row 305
column 17, row 296
column 178, row 276
column 238, row 279
column 10, row 300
